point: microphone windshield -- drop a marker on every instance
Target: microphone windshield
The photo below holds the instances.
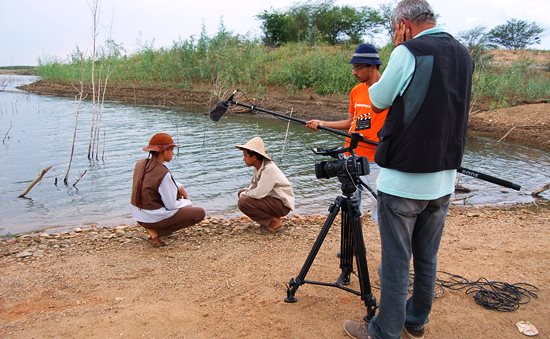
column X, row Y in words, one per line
column 220, row 109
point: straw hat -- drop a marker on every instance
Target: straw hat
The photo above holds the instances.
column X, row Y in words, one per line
column 255, row 144
column 159, row 142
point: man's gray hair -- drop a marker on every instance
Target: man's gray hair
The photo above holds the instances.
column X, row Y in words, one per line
column 418, row 11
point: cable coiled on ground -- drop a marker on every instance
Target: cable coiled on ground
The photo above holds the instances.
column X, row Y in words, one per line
column 492, row 295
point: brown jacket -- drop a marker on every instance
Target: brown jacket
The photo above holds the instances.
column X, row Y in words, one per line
column 145, row 193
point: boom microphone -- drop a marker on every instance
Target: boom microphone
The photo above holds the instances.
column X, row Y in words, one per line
column 221, row 107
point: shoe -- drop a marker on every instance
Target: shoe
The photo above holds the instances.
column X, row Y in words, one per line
column 267, row 230
column 357, row 330
column 262, row 230
column 156, row 242
column 275, row 230
column 276, row 225
column 413, row 333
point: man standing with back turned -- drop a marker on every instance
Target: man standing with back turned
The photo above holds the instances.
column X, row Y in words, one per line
column 428, row 84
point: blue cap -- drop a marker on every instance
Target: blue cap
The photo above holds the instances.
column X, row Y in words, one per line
column 366, row 54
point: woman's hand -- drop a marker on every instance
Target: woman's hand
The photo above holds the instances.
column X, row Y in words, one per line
column 183, row 192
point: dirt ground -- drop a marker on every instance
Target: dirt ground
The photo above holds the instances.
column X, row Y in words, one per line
column 221, row 279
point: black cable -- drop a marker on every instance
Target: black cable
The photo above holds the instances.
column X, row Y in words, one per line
column 492, row 295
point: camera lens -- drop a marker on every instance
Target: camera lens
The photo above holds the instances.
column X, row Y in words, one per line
column 328, row 169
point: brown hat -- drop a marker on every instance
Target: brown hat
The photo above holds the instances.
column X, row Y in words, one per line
column 159, row 142
column 255, row 144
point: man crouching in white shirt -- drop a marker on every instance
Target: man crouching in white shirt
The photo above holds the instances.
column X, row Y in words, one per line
column 269, row 196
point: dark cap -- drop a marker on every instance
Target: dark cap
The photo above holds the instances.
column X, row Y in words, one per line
column 366, row 54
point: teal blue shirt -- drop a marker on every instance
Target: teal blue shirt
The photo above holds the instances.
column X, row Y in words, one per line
column 394, row 81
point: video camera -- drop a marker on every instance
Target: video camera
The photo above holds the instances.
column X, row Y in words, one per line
column 350, row 166
column 348, row 169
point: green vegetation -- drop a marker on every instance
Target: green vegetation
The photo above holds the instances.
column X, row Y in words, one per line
column 504, row 86
column 226, row 61
column 516, row 34
column 320, row 22
column 304, row 47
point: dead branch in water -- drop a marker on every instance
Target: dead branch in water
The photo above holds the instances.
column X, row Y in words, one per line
column 80, row 177
column 513, row 127
column 4, row 83
column 103, row 154
column 35, row 181
column 505, row 135
column 5, row 136
column 536, row 193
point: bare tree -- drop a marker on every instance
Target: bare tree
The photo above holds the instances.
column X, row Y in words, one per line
column 103, row 57
column 78, row 100
column 95, row 10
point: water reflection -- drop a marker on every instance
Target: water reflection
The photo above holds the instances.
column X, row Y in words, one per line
column 40, row 135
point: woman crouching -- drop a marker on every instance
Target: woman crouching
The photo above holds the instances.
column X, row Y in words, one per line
column 159, row 203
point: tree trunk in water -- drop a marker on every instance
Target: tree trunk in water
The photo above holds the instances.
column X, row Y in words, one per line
column 35, row 181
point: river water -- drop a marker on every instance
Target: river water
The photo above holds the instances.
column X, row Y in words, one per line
column 37, row 132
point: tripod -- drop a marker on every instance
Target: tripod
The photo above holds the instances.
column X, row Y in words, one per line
column 351, row 244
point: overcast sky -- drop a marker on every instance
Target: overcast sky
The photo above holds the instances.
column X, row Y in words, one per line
column 33, row 29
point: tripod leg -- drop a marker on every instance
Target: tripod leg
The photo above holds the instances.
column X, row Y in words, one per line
column 299, row 280
column 346, row 247
column 360, row 257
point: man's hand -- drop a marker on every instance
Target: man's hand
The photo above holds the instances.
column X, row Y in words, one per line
column 401, row 34
column 240, row 191
column 314, row 124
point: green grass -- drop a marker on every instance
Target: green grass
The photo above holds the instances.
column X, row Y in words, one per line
column 225, row 61
column 504, row 86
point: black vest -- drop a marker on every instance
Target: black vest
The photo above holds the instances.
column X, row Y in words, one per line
column 425, row 130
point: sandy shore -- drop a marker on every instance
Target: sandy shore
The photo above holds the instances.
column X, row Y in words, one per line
column 221, row 279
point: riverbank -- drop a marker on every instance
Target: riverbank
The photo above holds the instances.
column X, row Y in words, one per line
column 221, row 279
column 525, row 124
